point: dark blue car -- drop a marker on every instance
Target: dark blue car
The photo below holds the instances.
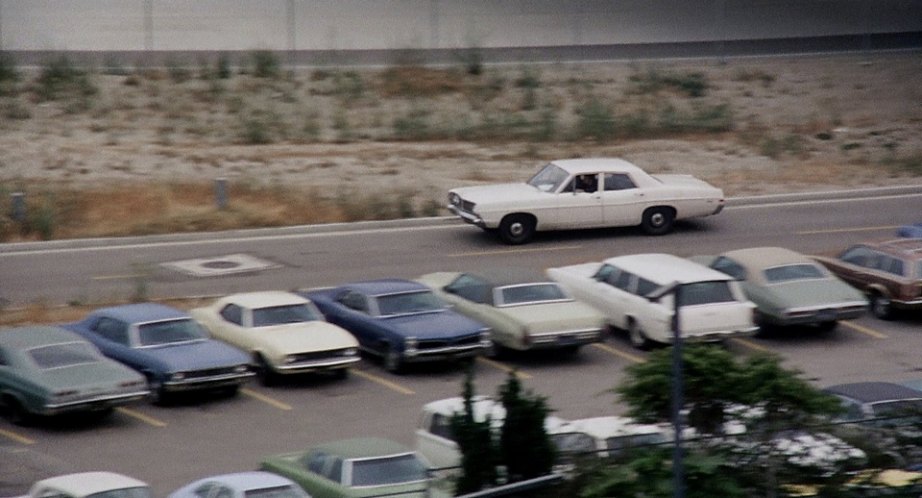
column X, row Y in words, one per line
column 167, row 346
column 401, row 321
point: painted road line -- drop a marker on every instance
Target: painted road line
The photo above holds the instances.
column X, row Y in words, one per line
column 751, row 345
column 16, row 437
column 847, row 230
column 140, row 416
column 864, row 330
column 382, row 381
column 512, row 251
column 265, row 399
column 503, row 367
column 617, row 352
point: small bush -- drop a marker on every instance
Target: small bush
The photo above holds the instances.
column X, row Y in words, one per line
column 596, row 120
column 412, row 126
column 266, row 64
column 14, row 109
column 653, row 81
column 59, row 78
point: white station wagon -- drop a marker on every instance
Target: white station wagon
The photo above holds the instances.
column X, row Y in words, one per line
column 585, row 193
column 633, row 292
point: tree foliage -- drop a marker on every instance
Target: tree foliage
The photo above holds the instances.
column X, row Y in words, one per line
column 479, row 455
column 525, row 447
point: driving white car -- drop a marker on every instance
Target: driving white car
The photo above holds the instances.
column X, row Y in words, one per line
column 637, row 293
column 585, row 193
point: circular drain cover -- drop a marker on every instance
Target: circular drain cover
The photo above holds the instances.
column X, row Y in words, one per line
column 221, row 265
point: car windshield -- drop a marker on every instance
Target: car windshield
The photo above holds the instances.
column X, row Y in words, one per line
column 549, row 178
column 573, row 442
column 786, row 273
column 169, row 332
column 408, row 302
column 532, row 293
column 617, row 444
column 388, row 470
column 289, row 313
column 139, row 492
column 63, row 355
column 274, row 492
column 697, row 293
column 898, row 408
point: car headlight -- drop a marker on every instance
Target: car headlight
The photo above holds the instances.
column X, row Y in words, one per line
column 350, row 352
column 177, row 376
column 454, row 199
column 485, row 337
column 241, row 369
column 289, row 359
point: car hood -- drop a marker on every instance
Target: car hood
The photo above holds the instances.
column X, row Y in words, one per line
column 814, row 293
column 305, row 337
column 435, row 325
column 106, row 374
column 552, row 317
column 499, row 193
column 196, row 355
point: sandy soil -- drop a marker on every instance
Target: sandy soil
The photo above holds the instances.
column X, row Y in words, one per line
column 799, row 123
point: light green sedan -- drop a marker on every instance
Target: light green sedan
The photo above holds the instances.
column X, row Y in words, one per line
column 789, row 288
column 522, row 315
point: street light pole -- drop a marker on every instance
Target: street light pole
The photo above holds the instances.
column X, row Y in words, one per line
column 678, row 468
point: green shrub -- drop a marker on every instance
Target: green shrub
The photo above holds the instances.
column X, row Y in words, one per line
column 412, row 126
column 596, row 120
column 693, row 84
column 59, row 78
column 265, row 64
column 8, row 71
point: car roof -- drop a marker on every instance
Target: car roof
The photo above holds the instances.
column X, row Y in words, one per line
column 666, row 268
column 767, row 257
column 386, row 286
column 36, row 335
column 265, row 298
column 142, row 312
column 908, row 247
column 873, row 392
column 482, row 405
column 249, row 480
column 88, row 483
column 364, row 447
column 596, row 164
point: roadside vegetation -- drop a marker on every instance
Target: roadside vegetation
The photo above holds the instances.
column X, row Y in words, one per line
column 257, row 102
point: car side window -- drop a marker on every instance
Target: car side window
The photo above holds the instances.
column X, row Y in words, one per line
column 440, row 426
column 203, row 491
column 354, row 301
column 470, row 288
column 625, row 281
column 233, row 314
column 51, row 493
column 645, row 286
column 607, row 274
column 729, row 267
column 335, row 470
column 223, row 492
column 890, row 264
column 858, row 256
column 316, row 462
column 618, row 181
column 113, row 330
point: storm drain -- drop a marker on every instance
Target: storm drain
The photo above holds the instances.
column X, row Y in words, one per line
column 220, row 265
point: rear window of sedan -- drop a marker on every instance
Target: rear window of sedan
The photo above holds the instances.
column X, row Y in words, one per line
column 387, row 470
column 531, row 293
column 788, row 273
column 280, row 315
column 63, row 355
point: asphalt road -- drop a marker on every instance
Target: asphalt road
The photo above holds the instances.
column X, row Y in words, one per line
column 169, row 446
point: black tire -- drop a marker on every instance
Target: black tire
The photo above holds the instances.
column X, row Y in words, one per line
column 517, row 229
column 881, row 307
column 264, row 372
column 827, row 326
column 15, row 412
column 636, row 335
column 658, row 220
column 157, row 395
column 341, row 373
column 393, row 361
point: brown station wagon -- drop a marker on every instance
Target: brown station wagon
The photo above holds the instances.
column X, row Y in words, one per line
column 889, row 272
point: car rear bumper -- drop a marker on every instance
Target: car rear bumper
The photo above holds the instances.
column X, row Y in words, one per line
column 96, row 403
column 717, row 336
column 815, row 316
column 565, row 339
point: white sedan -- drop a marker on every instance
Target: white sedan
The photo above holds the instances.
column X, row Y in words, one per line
column 284, row 332
column 585, row 193
column 90, row 485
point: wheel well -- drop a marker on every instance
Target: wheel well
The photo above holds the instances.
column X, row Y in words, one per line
column 876, row 290
column 671, row 209
column 530, row 216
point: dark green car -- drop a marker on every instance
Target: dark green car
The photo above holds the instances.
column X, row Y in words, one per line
column 50, row 371
column 354, row 468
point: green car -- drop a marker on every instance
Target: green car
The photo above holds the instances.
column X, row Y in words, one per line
column 50, row 371
column 360, row 467
column 789, row 288
column 522, row 314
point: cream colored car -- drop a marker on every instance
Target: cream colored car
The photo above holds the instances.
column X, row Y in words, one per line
column 285, row 333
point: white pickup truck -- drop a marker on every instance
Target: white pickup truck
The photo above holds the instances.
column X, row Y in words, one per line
column 634, row 293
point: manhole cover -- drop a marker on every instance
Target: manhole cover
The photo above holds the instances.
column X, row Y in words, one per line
column 220, row 265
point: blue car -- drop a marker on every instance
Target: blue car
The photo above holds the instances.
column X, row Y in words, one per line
column 911, row 231
column 401, row 321
column 167, row 346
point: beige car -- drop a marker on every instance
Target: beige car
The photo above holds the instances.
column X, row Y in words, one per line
column 285, row 333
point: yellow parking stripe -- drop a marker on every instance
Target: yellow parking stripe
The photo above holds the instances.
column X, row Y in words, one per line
column 751, row 345
column 265, row 399
column 505, row 368
column 382, row 381
column 16, row 437
column 140, row 416
column 864, row 330
column 617, row 352
column 846, row 230
column 512, row 251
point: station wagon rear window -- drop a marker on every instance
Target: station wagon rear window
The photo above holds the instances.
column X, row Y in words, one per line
column 63, row 355
column 698, row 293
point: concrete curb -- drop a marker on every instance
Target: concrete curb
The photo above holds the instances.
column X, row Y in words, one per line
column 415, row 222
